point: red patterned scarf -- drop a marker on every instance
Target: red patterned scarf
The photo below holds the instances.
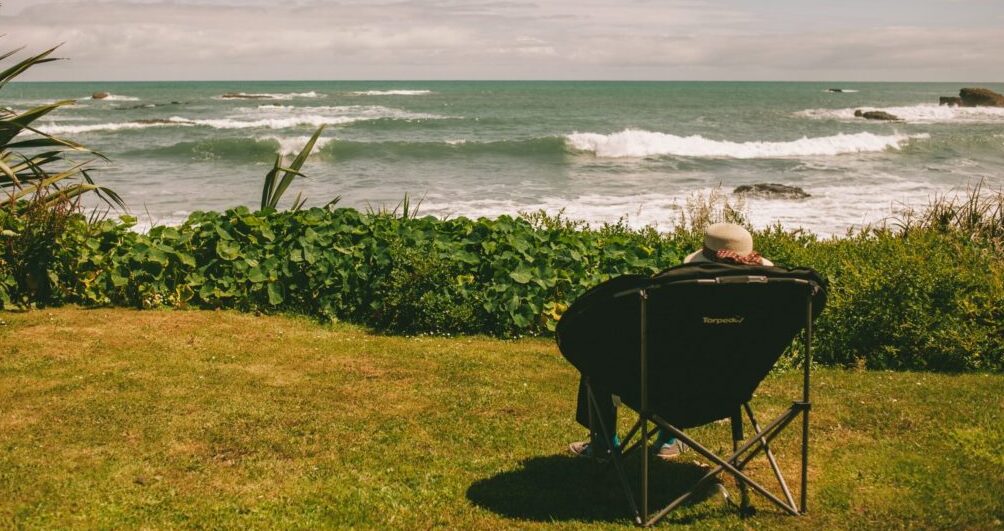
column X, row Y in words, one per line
column 726, row 256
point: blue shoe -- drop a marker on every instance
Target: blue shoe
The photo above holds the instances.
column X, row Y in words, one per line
column 669, row 451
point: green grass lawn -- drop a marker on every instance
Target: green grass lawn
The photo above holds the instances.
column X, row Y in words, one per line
column 161, row 419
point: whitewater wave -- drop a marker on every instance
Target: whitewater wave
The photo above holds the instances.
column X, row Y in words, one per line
column 303, row 116
column 113, row 97
column 314, row 120
column 924, row 113
column 290, row 145
column 268, row 95
column 54, row 129
column 391, row 92
column 831, row 209
column 640, row 143
column 372, row 111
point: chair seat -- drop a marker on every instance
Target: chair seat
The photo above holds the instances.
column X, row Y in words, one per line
column 714, row 331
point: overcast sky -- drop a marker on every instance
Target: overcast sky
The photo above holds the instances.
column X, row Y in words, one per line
column 849, row 40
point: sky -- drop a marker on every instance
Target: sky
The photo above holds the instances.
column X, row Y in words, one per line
column 759, row 40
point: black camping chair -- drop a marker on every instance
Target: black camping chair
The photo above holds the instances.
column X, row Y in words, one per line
column 688, row 347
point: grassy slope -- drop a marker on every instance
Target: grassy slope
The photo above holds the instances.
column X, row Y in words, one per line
column 176, row 419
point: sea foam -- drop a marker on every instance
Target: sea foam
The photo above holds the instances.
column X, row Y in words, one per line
column 640, row 143
column 292, row 145
column 113, row 97
column 270, row 117
column 53, row 129
column 392, row 92
column 924, row 113
column 269, row 96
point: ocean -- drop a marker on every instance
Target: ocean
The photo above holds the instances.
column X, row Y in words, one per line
column 598, row 151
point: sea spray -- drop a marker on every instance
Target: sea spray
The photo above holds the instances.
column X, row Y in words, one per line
column 921, row 114
column 640, row 143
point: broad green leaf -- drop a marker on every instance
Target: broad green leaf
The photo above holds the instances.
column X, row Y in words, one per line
column 522, row 276
column 275, row 294
column 227, row 250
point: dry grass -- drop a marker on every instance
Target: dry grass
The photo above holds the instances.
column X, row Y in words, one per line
column 119, row 418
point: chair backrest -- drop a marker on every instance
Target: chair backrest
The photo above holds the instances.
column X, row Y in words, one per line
column 714, row 331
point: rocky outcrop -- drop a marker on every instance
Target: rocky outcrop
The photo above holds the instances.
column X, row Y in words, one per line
column 99, row 95
column 950, row 101
column 771, row 191
column 980, row 97
column 875, row 115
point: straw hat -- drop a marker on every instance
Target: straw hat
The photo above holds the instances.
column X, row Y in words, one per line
column 724, row 236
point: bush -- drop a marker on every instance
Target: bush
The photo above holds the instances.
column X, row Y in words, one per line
column 929, row 298
column 925, row 301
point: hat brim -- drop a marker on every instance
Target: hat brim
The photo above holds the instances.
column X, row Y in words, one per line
column 698, row 256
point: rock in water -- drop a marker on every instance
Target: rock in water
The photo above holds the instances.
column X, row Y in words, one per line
column 771, row 191
column 980, row 97
column 950, row 101
column 99, row 95
column 875, row 115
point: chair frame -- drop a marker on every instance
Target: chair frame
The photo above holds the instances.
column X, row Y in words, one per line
column 743, row 450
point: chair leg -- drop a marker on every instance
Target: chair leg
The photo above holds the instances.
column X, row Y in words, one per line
column 615, row 457
column 770, row 456
column 768, row 433
column 745, row 509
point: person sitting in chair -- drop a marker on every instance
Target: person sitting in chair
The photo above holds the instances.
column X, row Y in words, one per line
column 725, row 243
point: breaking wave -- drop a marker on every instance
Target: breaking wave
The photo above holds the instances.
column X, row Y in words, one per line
column 225, row 149
column 268, row 95
column 303, row 116
column 112, row 97
column 924, row 113
column 288, row 145
column 640, row 143
column 54, row 129
column 392, row 92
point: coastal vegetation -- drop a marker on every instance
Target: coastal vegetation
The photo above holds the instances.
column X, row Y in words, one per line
column 926, row 294
column 41, row 183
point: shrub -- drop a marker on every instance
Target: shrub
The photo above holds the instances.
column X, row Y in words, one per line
column 40, row 188
column 927, row 299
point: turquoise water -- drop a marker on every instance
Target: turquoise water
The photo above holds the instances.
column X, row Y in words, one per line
column 602, row 151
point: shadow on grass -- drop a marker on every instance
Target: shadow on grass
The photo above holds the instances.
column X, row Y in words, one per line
column 562, row 487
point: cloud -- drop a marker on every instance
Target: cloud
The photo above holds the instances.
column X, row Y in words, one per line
column 612, row 39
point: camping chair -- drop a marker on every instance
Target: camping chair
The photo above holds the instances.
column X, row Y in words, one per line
column 687, row 347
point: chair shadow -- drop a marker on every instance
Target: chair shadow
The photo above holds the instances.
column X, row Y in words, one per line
column 562, row 487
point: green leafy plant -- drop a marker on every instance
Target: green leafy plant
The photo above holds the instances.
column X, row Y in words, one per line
column 278, row 179
column 41, row 184
column 40, row 167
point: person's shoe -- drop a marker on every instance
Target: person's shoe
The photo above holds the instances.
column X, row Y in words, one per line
column 585, row 449
column 580, row 448
column 670, row 451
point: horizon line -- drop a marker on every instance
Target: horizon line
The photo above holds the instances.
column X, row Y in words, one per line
column 460, row 80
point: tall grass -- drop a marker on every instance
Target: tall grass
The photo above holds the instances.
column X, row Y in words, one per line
column 977, row 213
